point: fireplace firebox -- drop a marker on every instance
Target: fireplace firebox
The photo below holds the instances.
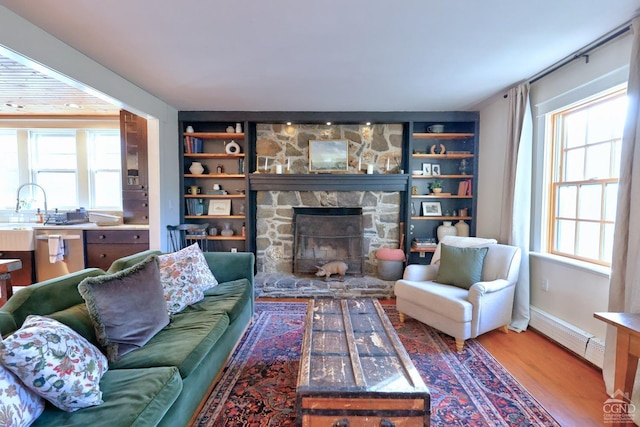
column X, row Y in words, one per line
column 325, row 234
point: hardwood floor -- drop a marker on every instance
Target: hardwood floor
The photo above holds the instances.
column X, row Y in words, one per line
column 571, row 389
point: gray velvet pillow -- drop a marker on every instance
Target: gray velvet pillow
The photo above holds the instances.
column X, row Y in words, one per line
column 461, row 267
column 127, row 308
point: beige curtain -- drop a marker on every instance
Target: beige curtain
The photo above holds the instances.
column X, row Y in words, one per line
column 516, row 195
column 624, row 287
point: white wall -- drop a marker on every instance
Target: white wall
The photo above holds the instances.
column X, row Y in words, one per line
column 576, row 290
column 20, row 38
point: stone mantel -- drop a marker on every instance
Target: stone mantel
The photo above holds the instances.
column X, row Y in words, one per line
column 328, row 182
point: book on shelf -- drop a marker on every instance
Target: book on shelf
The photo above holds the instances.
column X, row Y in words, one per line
column 192, row 145
column 464, row 188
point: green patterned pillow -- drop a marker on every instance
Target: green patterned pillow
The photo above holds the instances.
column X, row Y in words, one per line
column 461, row 267
column 55, row 362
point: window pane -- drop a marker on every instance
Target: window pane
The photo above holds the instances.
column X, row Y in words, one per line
column 611, row 201
column 599, row 124
column 55, row 151
column 105, row 149
column 589, row 202
column 8, row 169
column 576, row 126
column 598, row 162
column 588, row 240
column 107, row 195
column 574, row 165
column 565, row 240
column 61, row 189
column 567, row 201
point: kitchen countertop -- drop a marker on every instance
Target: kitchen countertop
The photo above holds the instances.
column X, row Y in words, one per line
column 81, row 226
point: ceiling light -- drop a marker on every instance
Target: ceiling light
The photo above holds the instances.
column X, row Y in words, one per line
column 72, row 105
column 13, row 105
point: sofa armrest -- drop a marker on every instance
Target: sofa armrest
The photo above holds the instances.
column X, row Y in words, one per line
column 7, row 324
column 227, row 266
column 420, row 273
column 481, row 288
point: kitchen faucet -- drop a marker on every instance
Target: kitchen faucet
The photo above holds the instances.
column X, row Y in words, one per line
column 46, row 212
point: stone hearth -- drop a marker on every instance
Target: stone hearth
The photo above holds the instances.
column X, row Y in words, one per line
column 282, row 285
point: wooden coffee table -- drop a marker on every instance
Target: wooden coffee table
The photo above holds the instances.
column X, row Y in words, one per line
column 354, row 370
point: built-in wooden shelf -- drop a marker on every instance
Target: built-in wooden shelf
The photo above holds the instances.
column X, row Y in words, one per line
column 443, row 156
column 443, row 135
column 214, row 216
column 214, row 196
column 441, row 218
column 433, row 196
column 429, row 249
column 442, row 176
column 214, row 156
column 215, row 135
column 215, row 175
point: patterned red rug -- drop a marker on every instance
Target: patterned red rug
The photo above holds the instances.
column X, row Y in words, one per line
column 468, row 389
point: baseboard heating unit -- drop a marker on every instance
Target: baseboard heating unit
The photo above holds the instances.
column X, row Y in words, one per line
column 579, row 341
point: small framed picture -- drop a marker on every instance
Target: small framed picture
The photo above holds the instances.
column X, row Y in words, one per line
column 426, row 169
column 435, row 169
column 431, row 209
column 220, row 207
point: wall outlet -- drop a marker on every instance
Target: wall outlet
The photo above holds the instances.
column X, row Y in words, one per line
column 545, row 285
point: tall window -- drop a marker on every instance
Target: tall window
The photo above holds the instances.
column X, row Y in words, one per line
column 586, row 161
column 55, row 166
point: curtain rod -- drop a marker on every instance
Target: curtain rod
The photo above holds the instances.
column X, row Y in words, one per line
column 584, row 52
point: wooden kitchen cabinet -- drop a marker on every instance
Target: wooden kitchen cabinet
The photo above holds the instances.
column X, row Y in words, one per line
column 135, row 179
column 105, row 246
column 26, row 275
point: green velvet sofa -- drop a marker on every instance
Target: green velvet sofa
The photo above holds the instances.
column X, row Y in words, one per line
column 165, row 381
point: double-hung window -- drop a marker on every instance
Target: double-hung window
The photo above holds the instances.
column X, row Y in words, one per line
column 586, row 143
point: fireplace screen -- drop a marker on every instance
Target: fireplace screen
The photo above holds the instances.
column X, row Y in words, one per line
column 322, row 235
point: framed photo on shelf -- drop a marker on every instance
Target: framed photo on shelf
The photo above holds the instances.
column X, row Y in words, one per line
column 431, row 209
column 220, row 207
column 329, row 155
column 426, row 169
column 435, row 169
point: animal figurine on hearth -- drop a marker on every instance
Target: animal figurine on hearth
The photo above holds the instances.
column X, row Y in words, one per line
column 333, row 267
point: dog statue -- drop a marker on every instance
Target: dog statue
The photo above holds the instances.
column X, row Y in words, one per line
column 333, row 267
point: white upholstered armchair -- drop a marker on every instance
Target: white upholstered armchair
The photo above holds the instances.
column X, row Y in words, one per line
column 468, row 309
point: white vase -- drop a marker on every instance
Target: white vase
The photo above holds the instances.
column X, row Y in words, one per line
column 226, row 231
column 196, row 168
column 446, row 229
column 462, row 228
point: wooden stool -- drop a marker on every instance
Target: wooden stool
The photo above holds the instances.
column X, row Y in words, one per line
column 6, row 267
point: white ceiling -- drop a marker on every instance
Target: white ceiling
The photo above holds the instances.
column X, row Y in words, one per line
column 355, row 55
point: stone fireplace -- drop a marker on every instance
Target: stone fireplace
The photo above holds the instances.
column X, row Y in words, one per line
column 377, row 197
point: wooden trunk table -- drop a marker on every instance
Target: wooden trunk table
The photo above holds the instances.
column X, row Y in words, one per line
column 354, row 370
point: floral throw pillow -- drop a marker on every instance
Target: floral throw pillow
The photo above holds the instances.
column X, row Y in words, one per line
column 55, row 362
column 185, row 276
column 19, row 406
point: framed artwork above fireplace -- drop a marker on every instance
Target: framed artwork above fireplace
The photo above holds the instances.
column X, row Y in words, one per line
column 329, row 155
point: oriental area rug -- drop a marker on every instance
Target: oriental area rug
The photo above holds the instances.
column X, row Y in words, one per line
column 468, row 389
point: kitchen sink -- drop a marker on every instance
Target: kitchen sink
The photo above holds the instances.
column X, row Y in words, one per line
column 15, row 236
